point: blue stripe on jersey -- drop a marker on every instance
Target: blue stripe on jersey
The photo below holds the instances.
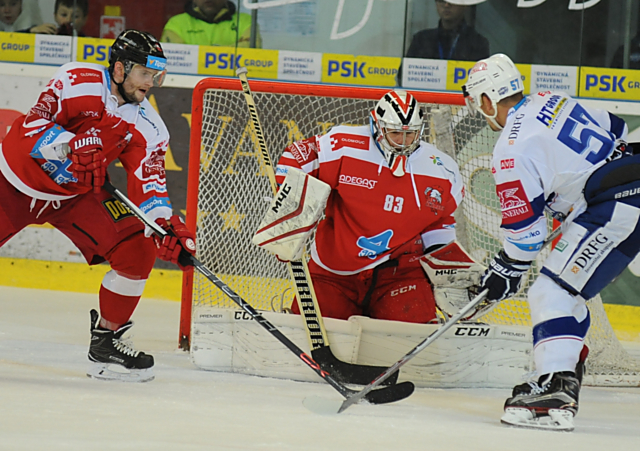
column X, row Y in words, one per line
column 561, row 327
column 155, row 202
column 527, row 247
column 47, row 138
column 617, row 125
column 537, row 208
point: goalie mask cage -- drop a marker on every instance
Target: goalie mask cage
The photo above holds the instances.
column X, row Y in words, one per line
column 229, row 191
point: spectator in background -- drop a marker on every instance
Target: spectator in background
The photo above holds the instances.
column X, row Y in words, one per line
column 15, row 18
column 210, row 22
column 454, row 39
column 70, row 19
column 634, row 54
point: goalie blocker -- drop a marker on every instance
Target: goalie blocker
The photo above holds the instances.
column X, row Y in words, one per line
column 292, row 215
column 455, row 277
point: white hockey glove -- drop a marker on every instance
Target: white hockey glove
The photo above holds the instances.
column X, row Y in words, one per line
column 455, row 277
column 292, row 215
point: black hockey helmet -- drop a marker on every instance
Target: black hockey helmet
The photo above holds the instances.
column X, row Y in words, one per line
column 133, row 47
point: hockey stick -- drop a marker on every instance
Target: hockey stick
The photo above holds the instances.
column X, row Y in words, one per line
column 415, row 351
column 353, row 399
column 385, row 395
column 348, row 373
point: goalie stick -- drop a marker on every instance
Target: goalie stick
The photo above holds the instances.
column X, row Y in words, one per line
column 348, row 373
column 385, row 395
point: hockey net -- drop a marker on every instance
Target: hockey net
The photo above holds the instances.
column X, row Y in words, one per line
column 229, row 192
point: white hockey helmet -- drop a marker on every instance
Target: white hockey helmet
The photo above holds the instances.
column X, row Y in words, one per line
column 497, row 78
column 398, row 112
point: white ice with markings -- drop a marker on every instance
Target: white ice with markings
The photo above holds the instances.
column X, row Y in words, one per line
column 48, row 403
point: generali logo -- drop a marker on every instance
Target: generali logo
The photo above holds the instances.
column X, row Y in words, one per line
column 513, row 202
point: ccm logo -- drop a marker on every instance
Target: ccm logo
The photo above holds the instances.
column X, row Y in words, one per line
column 403, row 290
column 244, row 316
column 473, row 331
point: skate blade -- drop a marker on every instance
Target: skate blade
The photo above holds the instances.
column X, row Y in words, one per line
column 112, row 372
column 557, row 420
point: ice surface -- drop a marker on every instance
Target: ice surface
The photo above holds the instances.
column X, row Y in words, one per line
column 48, row 403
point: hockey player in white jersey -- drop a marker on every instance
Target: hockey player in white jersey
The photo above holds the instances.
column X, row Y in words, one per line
column 558, row 155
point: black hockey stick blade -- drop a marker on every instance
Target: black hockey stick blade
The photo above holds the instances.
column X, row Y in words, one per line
column 329, row 406
column 393, row 393
column 350, row 373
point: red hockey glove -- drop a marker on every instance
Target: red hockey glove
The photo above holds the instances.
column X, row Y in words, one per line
column 178, row 238
column 88, row 163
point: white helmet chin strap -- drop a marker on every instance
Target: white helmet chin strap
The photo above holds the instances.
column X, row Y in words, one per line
column 492, row 119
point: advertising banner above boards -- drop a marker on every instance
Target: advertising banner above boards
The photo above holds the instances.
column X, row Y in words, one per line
column 312, row 67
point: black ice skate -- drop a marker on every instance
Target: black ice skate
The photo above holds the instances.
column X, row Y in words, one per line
column 551, row 403
column 114, row 357
column 526, row 387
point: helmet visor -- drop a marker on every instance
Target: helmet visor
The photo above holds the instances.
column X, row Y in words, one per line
column 141, row 72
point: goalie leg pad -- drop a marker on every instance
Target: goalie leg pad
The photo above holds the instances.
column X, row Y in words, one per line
column 292, row 215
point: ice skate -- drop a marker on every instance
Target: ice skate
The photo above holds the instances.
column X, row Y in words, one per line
column 114, row 358
column 580, row 367
column 551, row 403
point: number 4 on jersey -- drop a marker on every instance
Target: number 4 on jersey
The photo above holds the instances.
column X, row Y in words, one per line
column 376, row 245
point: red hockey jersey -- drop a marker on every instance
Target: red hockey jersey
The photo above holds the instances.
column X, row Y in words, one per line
column 78, row 100
column 370, row 212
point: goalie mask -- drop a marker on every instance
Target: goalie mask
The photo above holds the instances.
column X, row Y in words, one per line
column 396, row 125
column 497, row 78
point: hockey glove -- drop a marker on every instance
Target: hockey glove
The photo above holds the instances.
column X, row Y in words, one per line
column 454, row 276
column 88, row 163
column 503, row 277
column 178, row 238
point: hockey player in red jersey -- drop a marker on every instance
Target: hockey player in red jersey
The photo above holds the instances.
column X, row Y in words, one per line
column 53, row 164
column 392, row 196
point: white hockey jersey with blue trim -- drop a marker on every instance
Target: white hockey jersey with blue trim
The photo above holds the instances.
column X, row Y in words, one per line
column 549, row 147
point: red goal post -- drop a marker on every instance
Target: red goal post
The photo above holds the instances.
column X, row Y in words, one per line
column 199, row 111
column 227, row 187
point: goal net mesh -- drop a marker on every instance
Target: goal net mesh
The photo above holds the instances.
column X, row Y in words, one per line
column 234, row 191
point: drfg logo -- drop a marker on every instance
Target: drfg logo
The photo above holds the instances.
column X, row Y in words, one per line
column 594, row 247
column 403, row 290
column 472, row 331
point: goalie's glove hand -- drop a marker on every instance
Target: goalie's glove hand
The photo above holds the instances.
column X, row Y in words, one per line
column 88, row 163
column 178, row 244
column 503, row 277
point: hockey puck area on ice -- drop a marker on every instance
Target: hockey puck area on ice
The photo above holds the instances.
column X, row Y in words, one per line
column 322, row 406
